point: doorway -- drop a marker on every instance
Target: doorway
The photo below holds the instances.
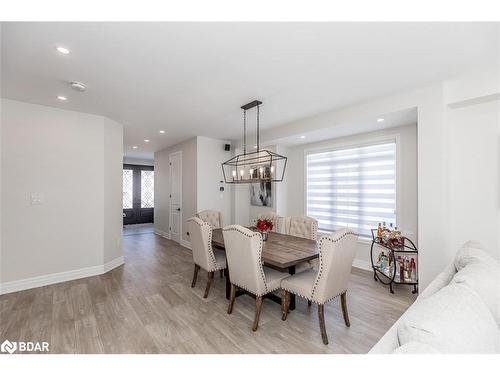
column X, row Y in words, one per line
column 138, row 194
column 175, row 166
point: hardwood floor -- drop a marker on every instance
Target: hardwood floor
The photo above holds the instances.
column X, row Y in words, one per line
column 148, row 306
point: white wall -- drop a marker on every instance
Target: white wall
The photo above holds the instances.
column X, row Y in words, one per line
column 473, row 120
column 189, row 186
column 407, row 178
column 210, row 156
column 72, row 162
column 113, row 199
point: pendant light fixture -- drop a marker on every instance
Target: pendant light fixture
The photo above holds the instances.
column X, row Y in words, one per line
column 255, row 166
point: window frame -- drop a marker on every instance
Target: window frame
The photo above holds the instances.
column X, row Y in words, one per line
column 331, row 145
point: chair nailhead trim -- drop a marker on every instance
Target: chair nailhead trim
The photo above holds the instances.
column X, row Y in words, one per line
column 320, row 272
column 310, row 298
column 262, row 274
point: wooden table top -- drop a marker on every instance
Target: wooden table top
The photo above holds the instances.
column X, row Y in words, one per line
column 280, row 250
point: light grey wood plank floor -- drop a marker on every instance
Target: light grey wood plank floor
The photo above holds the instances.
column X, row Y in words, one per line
column 148, row 306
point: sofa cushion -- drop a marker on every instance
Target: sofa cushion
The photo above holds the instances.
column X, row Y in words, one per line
column 415, row 347
column 453, row 320
column 472, row 252
column 484, row 279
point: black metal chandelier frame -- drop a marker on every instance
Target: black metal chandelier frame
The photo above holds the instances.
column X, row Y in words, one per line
column 263, row 163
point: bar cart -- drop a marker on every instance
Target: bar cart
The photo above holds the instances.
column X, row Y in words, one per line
column 391, row 275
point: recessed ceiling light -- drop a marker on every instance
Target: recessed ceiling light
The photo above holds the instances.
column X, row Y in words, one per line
column 162, row 131
column 63, row 50
column 146, row 140
column 62, row 98
column 302, row 136
column 134, row 146
column 380, row 120
column 78, row 86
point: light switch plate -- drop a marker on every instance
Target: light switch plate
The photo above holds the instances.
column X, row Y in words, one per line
column 36, row 199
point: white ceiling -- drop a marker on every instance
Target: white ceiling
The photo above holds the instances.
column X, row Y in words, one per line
column 364, row 125
column 191, row 78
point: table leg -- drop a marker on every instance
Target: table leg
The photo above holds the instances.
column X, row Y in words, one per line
column 291, row 271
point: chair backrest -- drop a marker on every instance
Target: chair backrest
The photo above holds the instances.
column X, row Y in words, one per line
column 336, row 253
column 200, row 234
column 214, row 218
column 275, row 218
column 301, row 226
column 244, row 259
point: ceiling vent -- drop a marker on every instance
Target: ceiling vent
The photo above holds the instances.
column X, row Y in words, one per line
column 78, row 86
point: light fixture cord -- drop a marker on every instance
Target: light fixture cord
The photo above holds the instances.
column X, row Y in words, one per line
column 244, row 132
column 258, row 130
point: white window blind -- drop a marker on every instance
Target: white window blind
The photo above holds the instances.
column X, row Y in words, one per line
column 352, row 187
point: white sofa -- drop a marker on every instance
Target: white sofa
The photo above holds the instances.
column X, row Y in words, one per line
column 459, row 312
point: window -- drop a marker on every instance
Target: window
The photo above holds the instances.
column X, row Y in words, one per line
column 147, row 189
column 352, row 187
column 128, row 188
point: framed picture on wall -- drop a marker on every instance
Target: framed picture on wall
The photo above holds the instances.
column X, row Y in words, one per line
column 261, row 194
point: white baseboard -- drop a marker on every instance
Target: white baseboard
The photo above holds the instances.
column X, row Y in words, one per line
column 54, row 278
column 362, row 264
column 162, row 233
column 186, row 244
column 113, row 263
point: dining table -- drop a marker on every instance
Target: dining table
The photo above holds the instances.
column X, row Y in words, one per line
column 280, row 251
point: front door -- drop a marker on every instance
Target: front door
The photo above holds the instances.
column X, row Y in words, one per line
column 138, row 194
column 175, row 163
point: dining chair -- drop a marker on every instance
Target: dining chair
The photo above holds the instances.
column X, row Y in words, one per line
column 336, row 254
column 301, row 226
column 275, row 219
column 214, row 218
column 244, row 258
column 305, row 227
column 200, row 233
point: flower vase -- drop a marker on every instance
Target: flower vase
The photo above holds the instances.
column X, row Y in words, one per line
column 264, row 235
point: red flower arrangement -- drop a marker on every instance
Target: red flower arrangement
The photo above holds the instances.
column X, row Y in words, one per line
column 264, row 224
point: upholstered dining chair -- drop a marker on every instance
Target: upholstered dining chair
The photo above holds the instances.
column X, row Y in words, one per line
column 301, row 226
column 336, row 253
column 275, row 219
column 214, row 218
column 305, row 227
column 200, row 233
column 244, row 258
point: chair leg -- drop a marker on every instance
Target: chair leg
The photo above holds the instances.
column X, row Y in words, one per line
column 209, row 283
column 195, row 275
column 285, row 302
column 258, row 308
column 343, row 300
column 321, row 316
column 221, row 274
column 231, row 299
